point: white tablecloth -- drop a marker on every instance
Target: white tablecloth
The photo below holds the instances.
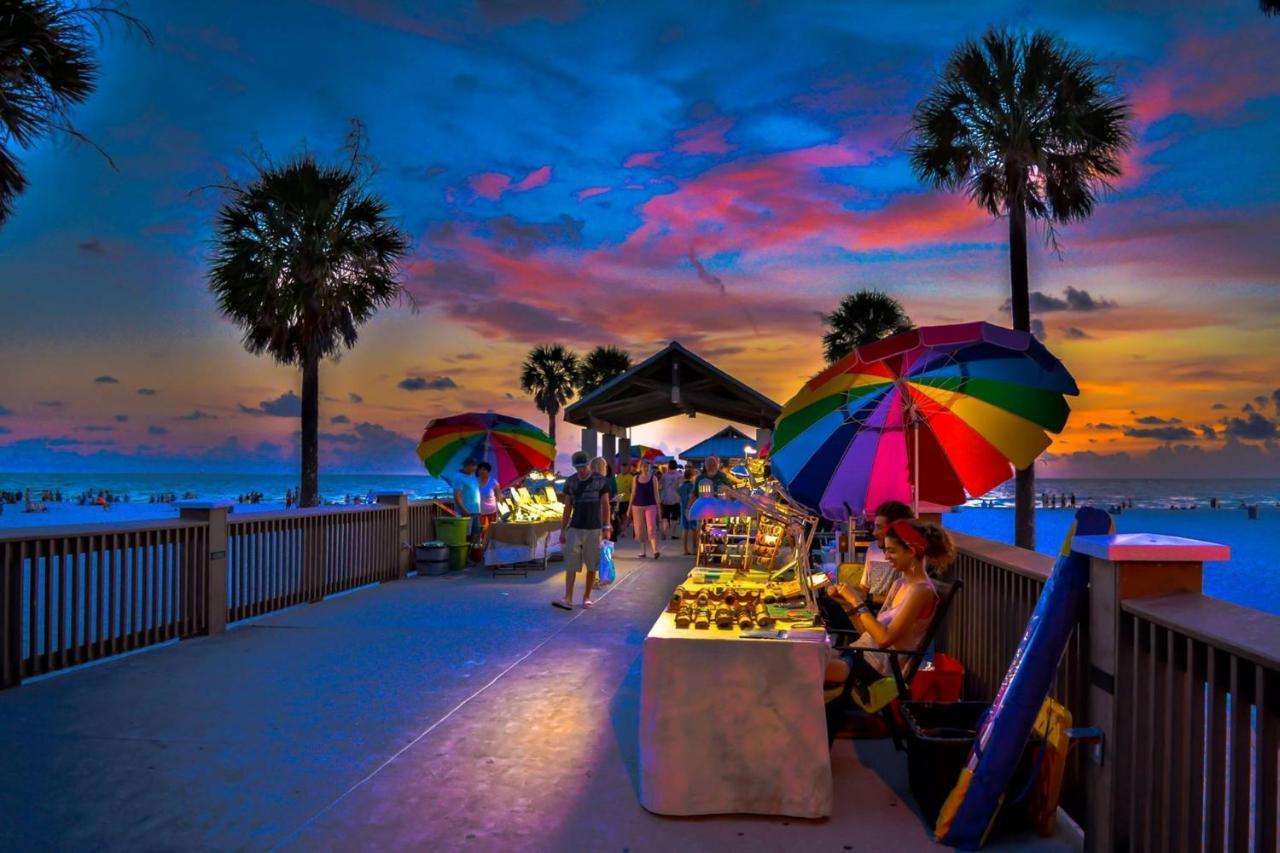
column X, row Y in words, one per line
column 733, row 725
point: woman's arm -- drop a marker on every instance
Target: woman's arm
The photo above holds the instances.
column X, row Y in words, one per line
column 886, row 637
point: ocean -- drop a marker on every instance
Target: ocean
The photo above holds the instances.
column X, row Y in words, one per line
column 1175, row 507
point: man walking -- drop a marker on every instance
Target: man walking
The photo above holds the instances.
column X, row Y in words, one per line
column 670, row 495
column 466, row 498
column 586, row 522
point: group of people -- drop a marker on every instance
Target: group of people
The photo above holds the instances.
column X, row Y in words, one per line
column 893, row 603
column 600, row 503
column 475, row 496
column 1052, row 500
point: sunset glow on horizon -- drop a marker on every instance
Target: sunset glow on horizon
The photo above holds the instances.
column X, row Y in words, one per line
column 615, row 174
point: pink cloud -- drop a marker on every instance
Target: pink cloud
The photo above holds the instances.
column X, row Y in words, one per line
column 705, row 138
column 537, row 178
column 589, row 192
column 493, row 185
column 641, row 159
column 490, row 185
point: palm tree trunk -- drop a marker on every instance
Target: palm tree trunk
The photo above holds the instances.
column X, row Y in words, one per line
column 1024, row 494
column 552, row 411
column 309, row 493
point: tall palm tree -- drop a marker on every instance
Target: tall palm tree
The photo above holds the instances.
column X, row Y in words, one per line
column 47, row 66
column 600, row 365
column 304, row 255
column 1025, row 126
column 550, row 373
column 862, row 318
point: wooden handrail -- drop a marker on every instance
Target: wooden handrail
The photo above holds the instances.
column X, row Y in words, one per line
column 1242, row 631
column 67, row 531
column 1014, row 559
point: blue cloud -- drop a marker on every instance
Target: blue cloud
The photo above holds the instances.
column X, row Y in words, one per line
column 287, row 405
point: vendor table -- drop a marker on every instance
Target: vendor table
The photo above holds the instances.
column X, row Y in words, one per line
column 511, row 547
column 733, row 725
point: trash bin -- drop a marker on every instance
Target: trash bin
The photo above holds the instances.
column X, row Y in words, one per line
column 939, row 738
column 458, row 557
column 451, row 530
column 431, row 558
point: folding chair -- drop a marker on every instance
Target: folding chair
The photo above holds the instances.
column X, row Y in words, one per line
column 846, row 703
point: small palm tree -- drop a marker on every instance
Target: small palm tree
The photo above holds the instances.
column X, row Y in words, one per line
column 47, row 66
column 600, row 365
column 862, row 318
column 550, row 373
column 1025, row 126
column 303, row 256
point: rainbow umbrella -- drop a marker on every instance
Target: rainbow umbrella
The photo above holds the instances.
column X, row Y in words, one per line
column 643, row 451
column 947, row 408
column 512, row 446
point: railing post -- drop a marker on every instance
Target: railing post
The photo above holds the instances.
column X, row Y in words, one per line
column 214, row 514
column 404, row 548
column 10, row 614
column 1131, row 565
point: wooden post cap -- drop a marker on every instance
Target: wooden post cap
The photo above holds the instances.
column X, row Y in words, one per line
column 1149, row 548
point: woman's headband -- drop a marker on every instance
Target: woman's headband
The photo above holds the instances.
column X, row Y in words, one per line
column 906, row 533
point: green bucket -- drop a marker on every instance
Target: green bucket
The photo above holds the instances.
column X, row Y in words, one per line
column 458, row 557
column 453, row 531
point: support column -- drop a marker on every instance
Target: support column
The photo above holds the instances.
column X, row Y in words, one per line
column 763, row 436
column 624, row 450
column 214, row 514
column 404, row 548
column 1131, row 565
column 590, row 445
column 609, row 449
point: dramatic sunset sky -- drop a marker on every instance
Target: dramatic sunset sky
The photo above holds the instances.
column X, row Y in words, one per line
column 632, row 173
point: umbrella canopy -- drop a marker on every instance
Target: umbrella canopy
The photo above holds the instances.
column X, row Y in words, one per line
column 643, row 451
column 512, row 446
column 948, row 408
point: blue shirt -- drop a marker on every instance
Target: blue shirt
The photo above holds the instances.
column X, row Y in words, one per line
column 469, row 487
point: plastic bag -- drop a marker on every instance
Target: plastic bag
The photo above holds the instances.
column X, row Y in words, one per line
column 607, row 572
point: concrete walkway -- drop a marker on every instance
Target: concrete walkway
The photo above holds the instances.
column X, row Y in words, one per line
column 453, row 713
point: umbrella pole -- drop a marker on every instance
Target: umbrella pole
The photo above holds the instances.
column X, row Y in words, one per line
column 915, row 480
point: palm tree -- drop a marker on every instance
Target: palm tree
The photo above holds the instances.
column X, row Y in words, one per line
column 862, row 318
column 600, row 365
column 47, row 66
column 550, row 373
column 1025, row 126
column 303, row 256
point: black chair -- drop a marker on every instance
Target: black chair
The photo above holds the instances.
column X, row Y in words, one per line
column 878, row 698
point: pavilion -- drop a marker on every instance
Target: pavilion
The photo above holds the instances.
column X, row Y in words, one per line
column 672, row 381
column 728, row 443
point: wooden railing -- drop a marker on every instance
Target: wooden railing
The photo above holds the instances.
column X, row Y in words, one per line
column 74, row 594
column 987, row 620
column 277, row 560
column 422, row 519
column 1197, row 761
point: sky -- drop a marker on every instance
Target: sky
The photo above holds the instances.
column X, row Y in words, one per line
column 630, row 174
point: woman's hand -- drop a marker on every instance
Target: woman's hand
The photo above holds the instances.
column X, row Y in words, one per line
column 852, row 596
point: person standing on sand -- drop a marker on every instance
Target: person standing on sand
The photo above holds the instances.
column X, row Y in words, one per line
column 586, row 523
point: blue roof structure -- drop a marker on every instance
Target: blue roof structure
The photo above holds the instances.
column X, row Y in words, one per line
column 728, row 443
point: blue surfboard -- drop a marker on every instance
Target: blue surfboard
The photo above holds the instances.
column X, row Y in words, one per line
column 969, row 811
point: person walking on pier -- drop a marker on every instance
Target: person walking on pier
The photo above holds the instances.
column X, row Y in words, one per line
column 586, row 523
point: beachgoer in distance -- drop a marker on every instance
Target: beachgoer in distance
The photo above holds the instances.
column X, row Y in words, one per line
column 644, row 509
column 466, row 497
column 878, row 573
column 908, row 609
column 669, row 492
column 688, row 526
column 586, row 523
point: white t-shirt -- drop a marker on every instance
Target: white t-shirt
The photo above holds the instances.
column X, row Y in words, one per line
column 877, row 574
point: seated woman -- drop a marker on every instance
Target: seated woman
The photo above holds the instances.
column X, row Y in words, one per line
column 908, row 607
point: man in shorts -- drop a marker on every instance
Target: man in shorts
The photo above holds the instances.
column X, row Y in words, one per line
column 669, row 493
column 586, row 522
